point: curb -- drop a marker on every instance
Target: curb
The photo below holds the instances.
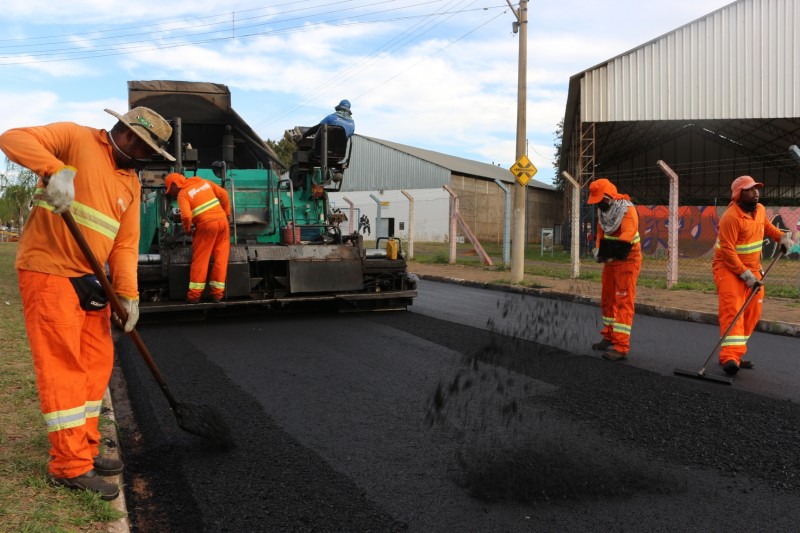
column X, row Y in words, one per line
column 766, row 326
column 121, row 525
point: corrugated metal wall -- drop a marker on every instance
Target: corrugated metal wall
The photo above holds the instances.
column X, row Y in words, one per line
column 383, row 171
column 482, row 205
column 374, row 166
column 713, row 68
column 545, row 209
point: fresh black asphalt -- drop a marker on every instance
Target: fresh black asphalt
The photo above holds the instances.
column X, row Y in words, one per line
column 409, row 422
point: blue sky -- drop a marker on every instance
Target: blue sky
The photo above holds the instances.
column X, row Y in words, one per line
column 436, row 74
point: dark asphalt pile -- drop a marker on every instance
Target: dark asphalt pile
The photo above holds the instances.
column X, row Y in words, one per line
column 682, row 421
column 556, row 462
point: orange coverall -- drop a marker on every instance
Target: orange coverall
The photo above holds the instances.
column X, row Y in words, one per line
column 618, row 291
column 739, row 242
column 208, row 206
column 72, row 349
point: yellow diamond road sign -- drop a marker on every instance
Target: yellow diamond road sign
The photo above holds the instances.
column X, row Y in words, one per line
column 523, row 169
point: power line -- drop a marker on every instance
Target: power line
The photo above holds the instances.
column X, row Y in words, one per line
column 436, row 52
column 392, row 45
column 151, row 23
column 226, row 27
column 177, row 33
column 169, row 24
column 138, row 47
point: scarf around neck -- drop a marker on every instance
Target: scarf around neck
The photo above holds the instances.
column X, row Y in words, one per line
column 611, row 219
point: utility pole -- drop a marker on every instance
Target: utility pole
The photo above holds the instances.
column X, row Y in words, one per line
column 520, row 191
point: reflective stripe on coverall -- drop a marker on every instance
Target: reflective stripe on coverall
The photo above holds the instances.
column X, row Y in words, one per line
column 618, row 292
column 207, row 205
column 738, row 248
column 72, row 349
column 73, row 355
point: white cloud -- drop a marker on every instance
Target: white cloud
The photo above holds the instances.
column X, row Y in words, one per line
column 407, row 82
column 93, row 11
column 42, row 107
column 56, row 69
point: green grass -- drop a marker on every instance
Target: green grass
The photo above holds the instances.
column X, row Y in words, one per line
column 437, row 259
column 27, row 502
column 694, row 274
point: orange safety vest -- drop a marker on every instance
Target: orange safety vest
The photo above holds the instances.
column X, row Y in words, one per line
column 201, row 200
column 628, row 231
column 741, row 237
column 106, row 204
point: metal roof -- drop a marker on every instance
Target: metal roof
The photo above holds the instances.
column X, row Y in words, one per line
column 739, row 62
column 374, row 166
column 721, row 87
column 459, row 165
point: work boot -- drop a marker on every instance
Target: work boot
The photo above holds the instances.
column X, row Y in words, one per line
column 193, row 300
column 731, row 367
column 746, row 363
column 108, row 466
column 216, row 298
column 89, row 481
column 614, row 355
column 603, row 345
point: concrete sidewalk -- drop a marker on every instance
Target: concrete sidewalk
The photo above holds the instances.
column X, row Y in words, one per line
column 779, row 315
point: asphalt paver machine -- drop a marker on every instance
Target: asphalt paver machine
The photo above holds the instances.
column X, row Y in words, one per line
column 287, row 247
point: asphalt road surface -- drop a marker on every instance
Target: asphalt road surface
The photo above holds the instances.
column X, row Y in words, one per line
column 475, row 411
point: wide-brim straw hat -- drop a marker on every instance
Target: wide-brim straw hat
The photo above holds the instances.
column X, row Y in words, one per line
column 149, row 126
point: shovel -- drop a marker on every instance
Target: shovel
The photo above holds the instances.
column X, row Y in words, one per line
column 200, row 420
column 727, row 380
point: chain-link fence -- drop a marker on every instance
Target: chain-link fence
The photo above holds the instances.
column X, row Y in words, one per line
column 701, row 205
column 693, row 273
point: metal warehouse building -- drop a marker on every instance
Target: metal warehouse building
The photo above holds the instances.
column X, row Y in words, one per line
column 714, row 99
column 379, row 170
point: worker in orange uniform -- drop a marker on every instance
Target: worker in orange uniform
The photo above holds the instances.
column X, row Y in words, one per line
column 91, row 173
column 737, row 268
column 618, row 247
column 206, row 205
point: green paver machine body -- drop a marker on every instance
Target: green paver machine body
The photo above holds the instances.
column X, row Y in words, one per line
column 287, row 248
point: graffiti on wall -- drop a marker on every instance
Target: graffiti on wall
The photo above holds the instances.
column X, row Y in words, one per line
column 363, row 225
column 697, row 230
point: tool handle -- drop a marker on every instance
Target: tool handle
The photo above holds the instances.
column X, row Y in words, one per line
column 116, row 304
column 753, row 292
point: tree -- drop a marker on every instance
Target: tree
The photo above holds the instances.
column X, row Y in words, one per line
column 17, row 186
column 558, row 180
column 284, row 148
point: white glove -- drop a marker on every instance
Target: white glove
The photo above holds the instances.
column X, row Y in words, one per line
column 749, row 278
column 131, row 306
column 786, row 243
column 60, row 190
column 596, row 254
